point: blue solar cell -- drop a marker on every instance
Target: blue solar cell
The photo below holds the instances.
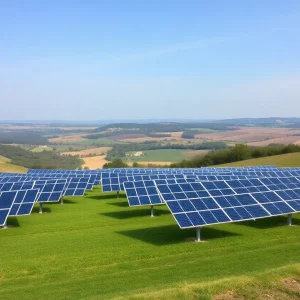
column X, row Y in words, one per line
column 155, row 199
column 220, row 215
column 202, row 194
column 191, row 195
column 222, row 201
column 210, row 203
column 295, row 204
column 208, row 217
column 3, row 216
column 164, row 189
column 233, row 201
column 133, row 201
column 145, row 200
column 24, row 209
column 272, row 209
column 141, row 191
column 183, row 220
column 241, row 190
column 198, row 204
column 174, row 207
column 186, row 205
column 245, row 199
column 215, row 193
column 244, row 214
column 257, row 211
column 179, row 196
column 284, row 208
column 175, row 188
column 233, row 214
column 196, row 219
column 6, row 199
column 129, row 185
column 168, row 197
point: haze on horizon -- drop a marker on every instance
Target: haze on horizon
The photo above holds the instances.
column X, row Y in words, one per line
column 66, row 60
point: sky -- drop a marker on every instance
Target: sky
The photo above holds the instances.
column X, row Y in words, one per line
column 149, row 59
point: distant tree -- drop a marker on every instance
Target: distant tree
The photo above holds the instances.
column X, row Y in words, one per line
column 116, row 163
column 135, row 165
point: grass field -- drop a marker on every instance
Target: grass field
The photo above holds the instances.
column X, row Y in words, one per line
column 96, row 247
column 283, row 160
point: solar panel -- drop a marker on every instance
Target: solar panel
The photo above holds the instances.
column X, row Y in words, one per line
column 24, row 202
column 192, row 206
column 76, row 186
column 6, row 202
column 50, row 191
column 142, row 193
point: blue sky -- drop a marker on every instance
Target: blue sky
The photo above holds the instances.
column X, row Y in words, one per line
column 93, row 60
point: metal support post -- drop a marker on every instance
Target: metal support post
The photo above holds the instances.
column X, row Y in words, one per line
column 41, row 208
column 5, row 225
column 118, row 194
column 198, row 239
column 152, row 211
column 290, row 219
column 62, row 200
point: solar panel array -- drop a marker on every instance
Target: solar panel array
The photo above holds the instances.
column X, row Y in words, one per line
column 196, row 197
column 21, row 191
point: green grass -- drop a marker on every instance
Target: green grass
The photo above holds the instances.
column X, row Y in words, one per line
column 204, row 130
column 173, row 155
column 283, row 160
column 96, row 247
column 41, row 149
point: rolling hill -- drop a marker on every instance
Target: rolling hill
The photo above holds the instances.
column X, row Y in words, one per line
column 6, row 166
column 283, row 160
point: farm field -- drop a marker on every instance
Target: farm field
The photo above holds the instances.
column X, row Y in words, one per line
column 283, row 160
column 41, row 149
column 166, row 155
column 90, row 151
column 255, row 134
column 94, row 162
column 96, row 247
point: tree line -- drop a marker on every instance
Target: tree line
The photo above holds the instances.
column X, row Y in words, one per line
column 237, row 153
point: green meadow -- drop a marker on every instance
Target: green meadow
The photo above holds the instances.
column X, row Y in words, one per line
column 97, row 247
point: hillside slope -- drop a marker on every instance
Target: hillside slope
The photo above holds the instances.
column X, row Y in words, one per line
column 6, row 166
column 283, row 160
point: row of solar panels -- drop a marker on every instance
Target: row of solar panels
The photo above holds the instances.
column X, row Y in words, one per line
column 116, row 183
column 146, row 170
column 195, row 204
column 19, row 193
column 104, row 173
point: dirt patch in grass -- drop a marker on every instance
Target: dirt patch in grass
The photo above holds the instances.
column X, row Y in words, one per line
column 226, row 296
column 291, row 284
column 92, row 151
